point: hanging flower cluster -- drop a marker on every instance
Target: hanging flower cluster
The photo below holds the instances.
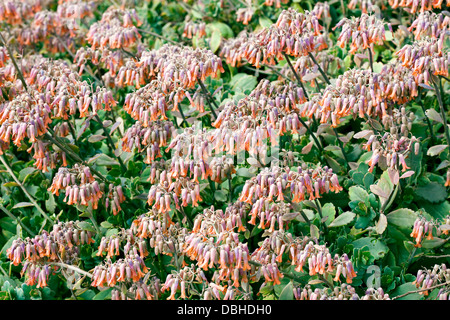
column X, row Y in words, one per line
column 214, row 243
column 192, row 29
column 424, row 229
column 139, row 291
column 148, row 140
column 429, row 24
column 266, row 255
column 149, row 224
column 131, row 268
column 175, row 66
column 342, row 292
column 276, row 3
column 399, row 123
column 188, row 65
column 64, row 92
column 192, row 143
column 178, row 70
column 156, row 169
column 181, row 191
column 151, row 102
column 366, row 5
column 38, row 253
column 15, row 11
column 213, row 222
column 109, row 59
column 398, row 85
column 274, row 216
column 54, row 91
column 24, row 117
column 417, row 6
column 294, row 33
column 363, row 94
column 443, row 294
column 114, row 198
column 244, row 15
column 214, row 291
column 302, row 251
column 363, row 32
column 267, row 113
column 308, row 71
column 271, row 183
column 354, row 93
column 45, row 158
column 233, row 50
column 117, row 29
column 225, row 252
column 55, row 31
column 390, row 151
column 183, row 280
column 425, row 57
column 78, row 9
column 79, row 185
column 322, row 10
column 427, row 278
column 165, row 237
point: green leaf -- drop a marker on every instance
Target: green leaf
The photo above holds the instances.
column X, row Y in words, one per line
column 433, row 243
column 11, row 184
column 368, row 180
column 383, row 188
column 404, row 288
column 432, row 192
column 96, row 138
column 266, row 290
column 50, row 203
column 357, row 193
column 314, row 231
column 105, row 160
column 216, row 39
column 103, row 295
column 288, row 292
column 220, row 196
column 8, row 224
column 243, row 81
column 403, row 218
column 437, row 211
column 343, row 219
column 265, row 22
column 377, row 248
column 333, row 163
column 112, row 232
column 84, row 225
column 25, row 173
column 388, row 35
column 244, row 172
column 434, row 115
column 328, row 210
column 436, row 150
column 377, row 66
column 23, row 205
column 106, row 225
column 224, row 29
column 381, row 224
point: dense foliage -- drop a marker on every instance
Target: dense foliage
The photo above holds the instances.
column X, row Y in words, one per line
column 232, row 149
